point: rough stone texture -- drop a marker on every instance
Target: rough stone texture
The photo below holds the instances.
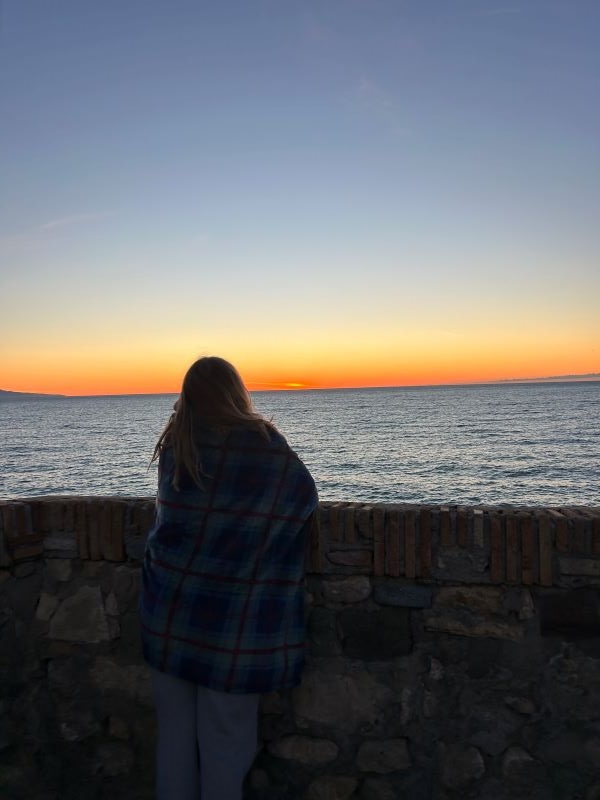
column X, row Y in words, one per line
column 336, row 787
column 81, row 618
column 377, row 789
column 322, row 633
column 390, row 755
column 304, row 749
column 445, row 622
column 340, row 701
column 518, row 766
column 461, row 766
column 46, row 607
column 375, row 634
column 132, row 680
column 351, row 558
column 507, row 676
column 390, row 594
column 59, row 569
column 347, row 590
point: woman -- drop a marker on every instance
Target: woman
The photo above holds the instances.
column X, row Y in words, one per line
column 222, row 605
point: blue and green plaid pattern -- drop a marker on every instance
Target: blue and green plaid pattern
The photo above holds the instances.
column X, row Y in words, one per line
column 222, row 602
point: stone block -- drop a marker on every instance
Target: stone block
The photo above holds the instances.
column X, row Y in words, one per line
column 351, row 558
column 131, row 679
column 46, row 607
column 390, row 755
column 522, row 705
column 5, row 557
column 304, row 749
column 346, row 590
column 343, row 702
column 322, row 633
column 332, row 787
column 585, row 567
column 81, row 618
column 375, row 635
column 77, row 724
column 118, row 729
column 572, row 614
column 460, row 766
column 481, row 599
column 466, row 625
column 377, row 789
column 519, row 767
column 112, row 759
column 59, row 569
column 395, row 594
column 492, row 728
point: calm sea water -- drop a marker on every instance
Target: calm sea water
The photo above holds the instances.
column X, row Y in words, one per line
column 512, row 443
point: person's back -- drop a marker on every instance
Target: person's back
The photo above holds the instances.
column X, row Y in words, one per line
column 222, row 606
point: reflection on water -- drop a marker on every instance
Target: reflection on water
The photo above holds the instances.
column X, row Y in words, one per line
column 517, row 443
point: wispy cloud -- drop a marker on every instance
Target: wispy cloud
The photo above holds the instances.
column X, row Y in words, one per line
column 500, row 11
column 34, row 237
column 73, row 219
column 371, row 98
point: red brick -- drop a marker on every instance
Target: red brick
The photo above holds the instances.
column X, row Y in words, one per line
column 9, row 521
column 394, row 543
column 425, row 543
column 512, row 549
column 315, row 551
column 596, row 536
column 81, row 532
column 335, row 529
column 363, row 519
column 94, row 514
column 24, row 552
column 562, row 532
column 579, row 543
column 462, row 527
column 478, row 540
column 527, row 550
column 410, row 542
column 378, row 542
column 114, row 540
column 497, row 548
column 51, row 516
column 546, row 550
column 70, row 512
column 348, row 526
column 445, row 527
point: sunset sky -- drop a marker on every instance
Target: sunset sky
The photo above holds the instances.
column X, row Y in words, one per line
column 325, row 192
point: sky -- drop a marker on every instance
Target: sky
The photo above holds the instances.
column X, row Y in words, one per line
column 324, row 192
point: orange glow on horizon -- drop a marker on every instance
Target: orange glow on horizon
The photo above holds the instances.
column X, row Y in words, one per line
column 116, row 384
column 313, row 360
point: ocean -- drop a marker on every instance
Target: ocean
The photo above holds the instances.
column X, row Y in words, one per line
column 517, row 443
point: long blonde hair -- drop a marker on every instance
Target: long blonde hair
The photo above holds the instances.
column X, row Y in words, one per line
column 214, row 394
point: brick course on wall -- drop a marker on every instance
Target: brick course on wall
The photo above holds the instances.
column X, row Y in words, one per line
column 498, row 545
column 454, row 652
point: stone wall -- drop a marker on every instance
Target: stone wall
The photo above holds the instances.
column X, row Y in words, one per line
column 454, row 653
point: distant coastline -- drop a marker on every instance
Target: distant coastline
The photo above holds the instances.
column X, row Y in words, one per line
column 589, row 376
column 6, row 395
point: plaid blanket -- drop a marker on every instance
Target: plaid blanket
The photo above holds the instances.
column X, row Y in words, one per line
column 222, row 602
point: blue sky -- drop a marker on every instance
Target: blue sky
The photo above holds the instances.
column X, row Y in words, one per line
column 262, row 177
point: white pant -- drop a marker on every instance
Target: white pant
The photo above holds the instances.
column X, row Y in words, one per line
column 206, row 740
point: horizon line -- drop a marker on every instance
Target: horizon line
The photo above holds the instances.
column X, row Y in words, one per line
column 296, row 387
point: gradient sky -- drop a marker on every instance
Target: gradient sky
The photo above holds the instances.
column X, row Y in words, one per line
column 331, row 192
